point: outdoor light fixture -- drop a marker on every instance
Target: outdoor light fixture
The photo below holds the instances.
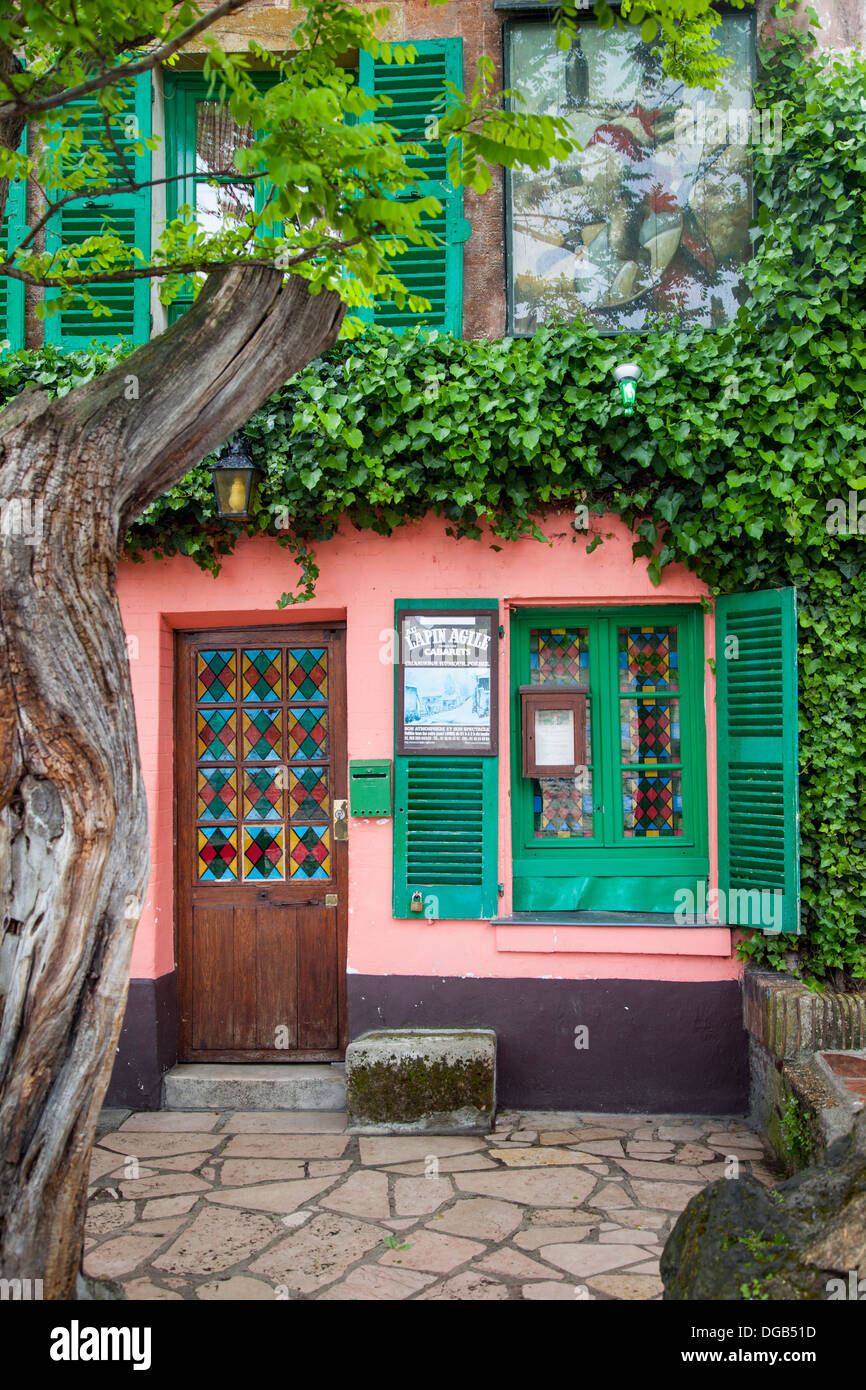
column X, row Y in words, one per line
column 234, row 478
column 628, row 375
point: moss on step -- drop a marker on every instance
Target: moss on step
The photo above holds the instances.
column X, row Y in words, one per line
column 401, row 1089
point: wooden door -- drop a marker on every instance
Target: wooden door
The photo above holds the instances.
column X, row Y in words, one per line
column 262, row 877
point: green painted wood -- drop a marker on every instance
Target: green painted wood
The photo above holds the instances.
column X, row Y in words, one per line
column 129, row 214
column 182, row 91
column 445, row 821
column 436, row 274
column 12, row 291
column 756, row 717
column 609, row 870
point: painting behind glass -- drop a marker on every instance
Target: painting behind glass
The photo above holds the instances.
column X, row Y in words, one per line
column 651, row 216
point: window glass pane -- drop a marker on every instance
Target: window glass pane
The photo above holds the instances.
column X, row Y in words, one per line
column 648, row 659
column 217, row 139
column 650, row 731
column 559, row 656
column 652, row 805
column 562, row 806
column 652, row 214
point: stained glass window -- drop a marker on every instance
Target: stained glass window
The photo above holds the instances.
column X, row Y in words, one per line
column 652, row 214
column 650, row 740
column 562, row 806
column 263, row 804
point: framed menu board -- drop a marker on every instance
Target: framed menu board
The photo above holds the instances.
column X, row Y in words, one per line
column 447, row 681
column 554, row 731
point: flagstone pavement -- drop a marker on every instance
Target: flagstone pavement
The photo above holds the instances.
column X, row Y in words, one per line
column 283, row 1205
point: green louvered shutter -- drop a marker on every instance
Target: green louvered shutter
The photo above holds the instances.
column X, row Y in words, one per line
column 756, row 697
column 435, row 274
column 12, row 291
column 129, row 216
column 446, row 823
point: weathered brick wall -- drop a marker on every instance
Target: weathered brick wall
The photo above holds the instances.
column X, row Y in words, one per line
column 271, row 24
column 476, row 22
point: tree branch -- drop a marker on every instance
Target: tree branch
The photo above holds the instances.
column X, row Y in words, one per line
column 154, row 272
column 92, row 193
column 114, row 76
column 245, row 335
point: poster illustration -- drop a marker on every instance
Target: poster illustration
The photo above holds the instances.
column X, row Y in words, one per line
column 446, row 684
column 650, row 215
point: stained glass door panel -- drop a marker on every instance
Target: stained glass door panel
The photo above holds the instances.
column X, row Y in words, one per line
column 261, row 758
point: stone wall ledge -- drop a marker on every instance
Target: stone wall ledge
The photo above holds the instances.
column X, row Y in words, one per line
column 793, row 1022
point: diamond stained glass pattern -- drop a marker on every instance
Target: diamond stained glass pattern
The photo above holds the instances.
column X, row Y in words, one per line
column 263, row 739
column 217, row 793
column 249, row 798
column 264, row 851
column 310, row 852
column 217, row 677
column 650, row 731
column 263, row 793
column 263, row 679
column 648, row 658
column 561, row 808
column 308, row 794
column 652, row 805
column 308, row 734
column 216, row 735
column 217, row 852
column 559, row 656
column 308, row 673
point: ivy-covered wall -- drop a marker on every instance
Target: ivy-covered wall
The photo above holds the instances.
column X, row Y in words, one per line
column 746, row 457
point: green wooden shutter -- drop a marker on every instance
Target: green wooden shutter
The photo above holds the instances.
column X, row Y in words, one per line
column 12, row 291
column 759, row 829
column 129, row 215
column 446, row 823
column 435, row 274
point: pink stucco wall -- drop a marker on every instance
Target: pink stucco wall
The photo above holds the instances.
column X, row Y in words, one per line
column 361, row 575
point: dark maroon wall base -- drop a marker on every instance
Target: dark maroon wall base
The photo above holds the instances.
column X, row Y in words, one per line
column 654, row 1045
column 147, row 1046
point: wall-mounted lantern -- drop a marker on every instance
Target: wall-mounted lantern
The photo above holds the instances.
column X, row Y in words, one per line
column 627, row 376
column 234, row 478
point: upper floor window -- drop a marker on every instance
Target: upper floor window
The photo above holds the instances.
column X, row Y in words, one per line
column 651, row 217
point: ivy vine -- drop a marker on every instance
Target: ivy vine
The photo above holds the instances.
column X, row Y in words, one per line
column 747, row 441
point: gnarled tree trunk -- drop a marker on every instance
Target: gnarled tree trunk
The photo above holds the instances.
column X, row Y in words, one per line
column 73, row 819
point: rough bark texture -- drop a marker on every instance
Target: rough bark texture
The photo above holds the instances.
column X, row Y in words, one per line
column 73, row 821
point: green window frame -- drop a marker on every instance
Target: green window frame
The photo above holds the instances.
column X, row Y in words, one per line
column 435, row 274
column 620, row 231
column 127, row 213
column 446, row 823
column 756, row 708
column 183, row 91
column 12, row 291
column 610, row 871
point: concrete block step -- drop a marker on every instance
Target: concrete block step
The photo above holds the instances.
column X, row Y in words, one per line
column 223, row 1086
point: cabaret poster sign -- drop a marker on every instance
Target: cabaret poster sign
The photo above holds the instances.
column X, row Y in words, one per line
column 446, row 681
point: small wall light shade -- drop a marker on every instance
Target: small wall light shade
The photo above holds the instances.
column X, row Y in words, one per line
column 234, row 478
column 627, row 376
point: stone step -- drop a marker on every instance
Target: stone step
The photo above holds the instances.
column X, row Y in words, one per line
column 221, row 1086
